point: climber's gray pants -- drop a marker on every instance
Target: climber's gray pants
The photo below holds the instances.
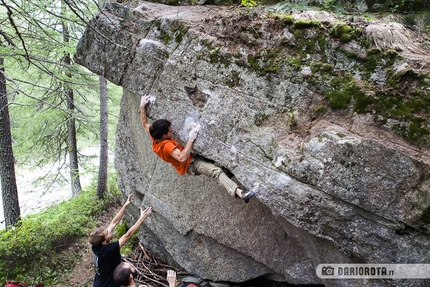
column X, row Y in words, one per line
column 199, row 165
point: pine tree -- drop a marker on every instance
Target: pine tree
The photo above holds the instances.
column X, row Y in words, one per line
column 7, row 166
column 52, row 89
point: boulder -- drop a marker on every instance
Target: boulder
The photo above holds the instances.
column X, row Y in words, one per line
column 334, row 182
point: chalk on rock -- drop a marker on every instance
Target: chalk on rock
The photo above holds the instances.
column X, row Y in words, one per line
column 194, row 125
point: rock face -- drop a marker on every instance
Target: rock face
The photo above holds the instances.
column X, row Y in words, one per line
column 298, row 114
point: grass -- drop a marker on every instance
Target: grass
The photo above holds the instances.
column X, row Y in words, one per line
column 31, row 252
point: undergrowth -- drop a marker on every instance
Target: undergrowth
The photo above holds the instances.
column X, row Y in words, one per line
column 31, row 251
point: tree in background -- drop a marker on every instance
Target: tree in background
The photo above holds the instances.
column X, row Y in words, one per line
column 7, row 166
column 104, row 148
column 71, row 125
column 9, row 188
column 53, row 105
column 104, row 126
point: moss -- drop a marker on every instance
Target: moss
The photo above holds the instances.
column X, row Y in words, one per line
column 370, row 63
column 324, row 58
column 323, row 136
column 165, row 37
column 213, row 56
column 343, row 89
column 234, row 79
column 351, row 54
column 374, row 51
column 391, row 55
column 400, row 131
column 342, row 31
column 286, row 19
column 266, row 62
column 253, row 62
column 397, row 80
column 365, row 43
column 316, row 67
column 362, row 102
column 322, row 43
column 295, row 62
column 338, row 99
column 292, row 122
column 175, row 31
column 309, row 45
column 299, row 34
column 326, row 68
column 322, row 67
column 393, row 106
column 411, row 110
column 301, row 24
column 216, row 56
column 417, row 129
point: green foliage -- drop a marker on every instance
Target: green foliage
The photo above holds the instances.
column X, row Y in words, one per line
column 122, row 229
column 329, row 4
column 369, row 17
column 248, row 3
column 38, row 110
column 420, row 21
column 31, row 251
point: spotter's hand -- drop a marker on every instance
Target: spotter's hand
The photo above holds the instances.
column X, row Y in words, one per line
column 145, row 213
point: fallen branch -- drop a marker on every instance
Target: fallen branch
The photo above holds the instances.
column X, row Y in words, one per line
column 150, row 268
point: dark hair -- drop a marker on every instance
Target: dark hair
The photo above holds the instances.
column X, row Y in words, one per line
column 121, row 275
column 159, row 128
column 97, row 237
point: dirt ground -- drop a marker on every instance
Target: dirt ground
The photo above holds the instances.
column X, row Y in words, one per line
column 82, row 274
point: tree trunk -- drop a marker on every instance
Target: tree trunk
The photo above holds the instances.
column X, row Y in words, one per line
column 71, row 128
column 103, row 166
column 72, row 144
column 11, row 209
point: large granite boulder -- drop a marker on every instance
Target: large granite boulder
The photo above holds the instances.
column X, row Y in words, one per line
column 297, row 113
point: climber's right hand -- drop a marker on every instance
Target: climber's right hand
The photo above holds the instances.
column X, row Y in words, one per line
column 193, row 134
column 144, row 100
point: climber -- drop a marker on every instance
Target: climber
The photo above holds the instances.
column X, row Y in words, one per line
column 182, row 159
column 107, row 255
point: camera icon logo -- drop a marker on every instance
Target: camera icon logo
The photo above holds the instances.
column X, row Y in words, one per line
column 327, row 271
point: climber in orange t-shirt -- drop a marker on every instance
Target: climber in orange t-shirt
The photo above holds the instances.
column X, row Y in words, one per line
column 182, row 159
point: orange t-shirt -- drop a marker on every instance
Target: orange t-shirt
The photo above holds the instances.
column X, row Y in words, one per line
column 164, row 150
